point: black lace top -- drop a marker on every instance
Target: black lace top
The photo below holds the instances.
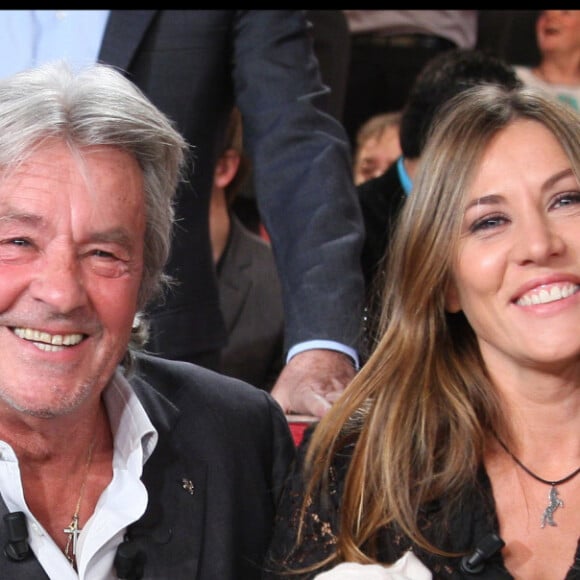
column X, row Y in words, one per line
column 455, row 524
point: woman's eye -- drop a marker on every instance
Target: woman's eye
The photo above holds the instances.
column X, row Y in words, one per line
column 567, row 199
column 488, row 222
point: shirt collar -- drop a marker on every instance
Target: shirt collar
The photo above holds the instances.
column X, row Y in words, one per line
column 130, row 423
column 404, row 176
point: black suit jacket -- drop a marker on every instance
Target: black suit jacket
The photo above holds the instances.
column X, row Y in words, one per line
column 227, row 439
column 193, row 64
column 251, row 301
column 381, row 200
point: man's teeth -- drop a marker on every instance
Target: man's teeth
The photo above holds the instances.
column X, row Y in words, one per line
column 46, row 341
column 543, row 296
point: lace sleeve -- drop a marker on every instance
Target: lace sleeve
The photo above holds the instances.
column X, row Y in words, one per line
column 286, row 558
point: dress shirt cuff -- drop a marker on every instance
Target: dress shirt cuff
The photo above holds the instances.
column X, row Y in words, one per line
column 325, row 344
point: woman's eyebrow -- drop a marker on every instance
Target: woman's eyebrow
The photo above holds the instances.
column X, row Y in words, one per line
column 551, row 181
column 491, row 199
column 494, row 198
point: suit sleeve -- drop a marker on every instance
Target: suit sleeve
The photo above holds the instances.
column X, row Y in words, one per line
column 302, row 176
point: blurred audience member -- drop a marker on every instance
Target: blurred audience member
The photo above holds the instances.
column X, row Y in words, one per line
column 382, row 198
column 389, row 48
column 250, row 293
column 509, row 35
column 558, row 72
column 377, row 146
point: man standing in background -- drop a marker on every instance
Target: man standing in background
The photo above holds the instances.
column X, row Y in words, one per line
column 389, row 48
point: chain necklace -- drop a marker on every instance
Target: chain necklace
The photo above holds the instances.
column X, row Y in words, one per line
column 73, row 531
column 554, row 500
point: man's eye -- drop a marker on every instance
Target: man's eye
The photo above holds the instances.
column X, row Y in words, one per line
column 103, row 254
column 17, row 250
column 18, row 242
column 107, row 264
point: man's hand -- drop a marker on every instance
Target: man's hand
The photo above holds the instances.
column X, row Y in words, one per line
column 312, row 380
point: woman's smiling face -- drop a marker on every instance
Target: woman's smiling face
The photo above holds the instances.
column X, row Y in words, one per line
column 516, row 274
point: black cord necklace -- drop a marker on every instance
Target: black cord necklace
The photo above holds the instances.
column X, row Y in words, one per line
column 553, row 495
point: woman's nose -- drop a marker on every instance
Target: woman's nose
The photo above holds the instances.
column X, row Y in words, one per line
column 539, row 240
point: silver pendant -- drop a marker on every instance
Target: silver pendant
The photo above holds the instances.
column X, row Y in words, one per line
column 555, row 503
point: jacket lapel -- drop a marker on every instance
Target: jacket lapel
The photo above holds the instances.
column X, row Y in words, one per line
column 171, row 530
column 123, row 34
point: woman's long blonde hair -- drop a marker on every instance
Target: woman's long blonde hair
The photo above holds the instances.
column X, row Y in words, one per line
column 426, row 402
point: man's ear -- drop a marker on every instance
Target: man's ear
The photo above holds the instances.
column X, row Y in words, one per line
column 452, row 302
column 226, row 168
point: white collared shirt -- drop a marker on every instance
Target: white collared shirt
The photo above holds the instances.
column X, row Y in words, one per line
column 122, row 502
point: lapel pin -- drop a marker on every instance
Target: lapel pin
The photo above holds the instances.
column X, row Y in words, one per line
column 187, row 485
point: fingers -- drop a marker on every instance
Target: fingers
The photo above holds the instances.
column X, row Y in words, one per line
column 311, row 403
column 312, row 381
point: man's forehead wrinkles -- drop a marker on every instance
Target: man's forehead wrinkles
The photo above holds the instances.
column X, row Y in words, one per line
column 41, row 179
column 8, row 213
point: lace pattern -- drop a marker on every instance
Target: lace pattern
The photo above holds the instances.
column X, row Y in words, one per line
column 453, row 524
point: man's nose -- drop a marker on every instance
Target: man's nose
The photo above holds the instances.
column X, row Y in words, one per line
column 58, row 281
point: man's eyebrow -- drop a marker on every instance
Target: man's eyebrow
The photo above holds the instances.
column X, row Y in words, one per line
column 118, row 235
column 23, row 217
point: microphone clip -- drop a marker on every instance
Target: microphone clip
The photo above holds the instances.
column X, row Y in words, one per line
column 129, row 560
column 474, row 563
column 17, row 547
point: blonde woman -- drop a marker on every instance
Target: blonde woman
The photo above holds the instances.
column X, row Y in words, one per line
column 458, row 442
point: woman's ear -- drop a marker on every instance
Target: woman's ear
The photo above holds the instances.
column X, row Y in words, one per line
column 452, row 302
